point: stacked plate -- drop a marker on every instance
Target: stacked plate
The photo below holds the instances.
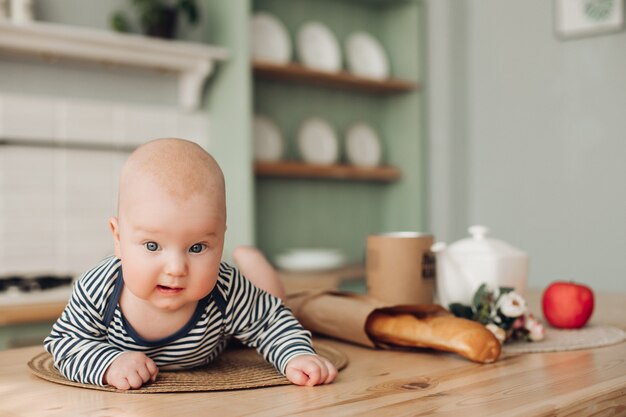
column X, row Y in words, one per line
column 318, row 144
column 317, row 47
column 269, row 39
column 363, row 148
column 268, row 142
column 366, row 56
column 310, row 259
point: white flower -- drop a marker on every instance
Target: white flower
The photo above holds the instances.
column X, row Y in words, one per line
column 498, row 332
column 512, row 304
column 535, row 328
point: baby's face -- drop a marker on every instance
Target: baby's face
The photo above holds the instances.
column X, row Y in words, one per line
column 170, row 247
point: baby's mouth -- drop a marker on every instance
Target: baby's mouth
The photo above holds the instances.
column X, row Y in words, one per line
column 168, row 290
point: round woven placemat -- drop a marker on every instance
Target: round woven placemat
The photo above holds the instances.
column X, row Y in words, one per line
column 236, row 368
column 557, row 340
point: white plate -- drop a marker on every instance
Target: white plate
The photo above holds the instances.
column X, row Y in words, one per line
column 310, row 259
column 268, row 140
column 269, row 39
column 317, row 142
column 363, row 146
column 318, row 48
column 366, row 57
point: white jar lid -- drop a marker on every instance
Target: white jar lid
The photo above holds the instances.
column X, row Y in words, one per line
column 480, row 245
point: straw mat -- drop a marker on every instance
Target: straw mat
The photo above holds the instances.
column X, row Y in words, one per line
column 236, row 368
column 557, row 340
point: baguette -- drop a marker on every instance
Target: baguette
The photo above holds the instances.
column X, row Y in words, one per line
column 435, row 328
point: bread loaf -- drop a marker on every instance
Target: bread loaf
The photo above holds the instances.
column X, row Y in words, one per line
column 434, row 327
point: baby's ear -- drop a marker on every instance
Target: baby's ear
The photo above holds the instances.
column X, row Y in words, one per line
column 115, row 231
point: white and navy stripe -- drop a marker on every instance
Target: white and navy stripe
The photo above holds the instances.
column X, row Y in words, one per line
column 92, row 330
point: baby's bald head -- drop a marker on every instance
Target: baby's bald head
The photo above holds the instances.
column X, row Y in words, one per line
column 182, row 169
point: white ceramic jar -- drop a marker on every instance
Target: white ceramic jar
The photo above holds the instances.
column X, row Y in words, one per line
column 466, row 264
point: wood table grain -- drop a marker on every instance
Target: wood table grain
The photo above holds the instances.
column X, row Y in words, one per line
column 377, row 383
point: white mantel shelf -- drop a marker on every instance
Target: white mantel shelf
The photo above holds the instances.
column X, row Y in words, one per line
column 193, row 63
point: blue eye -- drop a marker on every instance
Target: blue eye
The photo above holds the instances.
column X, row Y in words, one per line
column 197, row 248
column 151, row 246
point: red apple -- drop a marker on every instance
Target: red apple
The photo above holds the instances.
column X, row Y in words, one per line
column 567, row 305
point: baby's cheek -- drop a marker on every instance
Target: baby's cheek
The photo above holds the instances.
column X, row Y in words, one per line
column 139, row 280
column 201, row 288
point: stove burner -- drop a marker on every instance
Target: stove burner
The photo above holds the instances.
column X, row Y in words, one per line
column 35, row 283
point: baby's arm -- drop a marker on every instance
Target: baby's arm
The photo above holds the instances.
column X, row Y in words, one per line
column 130, row 370
column 78, row 338
column 260, row 320
column 310, row 370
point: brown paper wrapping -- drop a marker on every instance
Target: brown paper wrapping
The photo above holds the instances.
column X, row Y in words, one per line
column 335, row 314
column 344, row 315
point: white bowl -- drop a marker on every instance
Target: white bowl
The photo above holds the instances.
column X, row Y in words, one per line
column 310, row 259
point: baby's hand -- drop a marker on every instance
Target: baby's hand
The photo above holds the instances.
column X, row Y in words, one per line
column 310, row 370
column 130, row 370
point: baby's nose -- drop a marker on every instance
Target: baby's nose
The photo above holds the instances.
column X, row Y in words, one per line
column 176, row 265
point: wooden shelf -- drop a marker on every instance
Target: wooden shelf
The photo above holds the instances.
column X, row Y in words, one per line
column 290, row 169
column 299, row 74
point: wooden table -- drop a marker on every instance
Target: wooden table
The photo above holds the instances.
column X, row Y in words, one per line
column 380, row 383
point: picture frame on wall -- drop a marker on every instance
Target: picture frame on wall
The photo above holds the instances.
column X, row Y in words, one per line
column 580, row 18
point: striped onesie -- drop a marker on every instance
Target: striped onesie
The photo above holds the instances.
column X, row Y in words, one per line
column 92, row 330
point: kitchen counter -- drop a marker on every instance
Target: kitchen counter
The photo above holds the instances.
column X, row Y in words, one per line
column 31, row 313
column 33, row 307
column 393, row 383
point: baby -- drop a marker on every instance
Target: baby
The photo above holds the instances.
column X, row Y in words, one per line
column 165, row 300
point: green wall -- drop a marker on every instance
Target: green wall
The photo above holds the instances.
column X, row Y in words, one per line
column 229, row 103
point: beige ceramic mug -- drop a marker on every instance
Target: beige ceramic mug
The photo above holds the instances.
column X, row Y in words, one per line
column 400, row 268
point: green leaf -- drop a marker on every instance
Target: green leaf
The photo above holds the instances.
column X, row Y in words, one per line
column 119, row 22
column 483, row 313
column 189, row 8
column 505, row 290
column 480, row 295
column 461, row 310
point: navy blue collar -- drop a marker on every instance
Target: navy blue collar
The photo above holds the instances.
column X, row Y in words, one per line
column 114, row 302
